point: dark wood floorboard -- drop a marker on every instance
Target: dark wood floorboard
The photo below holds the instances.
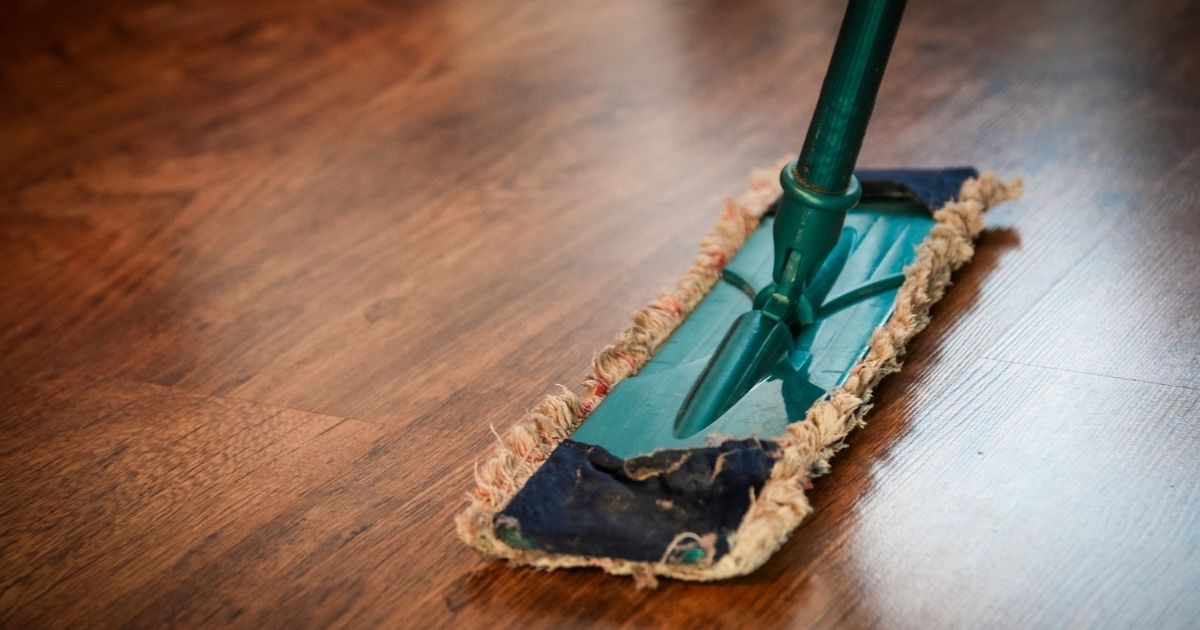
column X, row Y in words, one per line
column 270, row 274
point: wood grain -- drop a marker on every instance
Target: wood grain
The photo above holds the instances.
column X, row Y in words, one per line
column 270, row 274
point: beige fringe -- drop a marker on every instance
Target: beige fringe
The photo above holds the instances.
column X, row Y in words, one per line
column 808, row 445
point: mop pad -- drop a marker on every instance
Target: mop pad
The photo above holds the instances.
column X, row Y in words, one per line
column 737, row 530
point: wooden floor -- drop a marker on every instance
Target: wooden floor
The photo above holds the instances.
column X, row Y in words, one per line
column 270, row 275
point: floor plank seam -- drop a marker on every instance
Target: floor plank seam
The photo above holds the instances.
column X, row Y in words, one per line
column 1096, row 374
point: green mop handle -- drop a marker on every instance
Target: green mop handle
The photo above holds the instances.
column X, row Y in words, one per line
column 839, row 122
column 819, row 187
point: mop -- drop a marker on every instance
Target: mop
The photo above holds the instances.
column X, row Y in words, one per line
column 698, row 429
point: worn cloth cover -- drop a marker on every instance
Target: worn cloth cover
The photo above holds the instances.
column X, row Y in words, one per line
column 535, row 452
column 585, row 501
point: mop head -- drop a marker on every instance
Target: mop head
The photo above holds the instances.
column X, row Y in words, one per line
column 795, row 458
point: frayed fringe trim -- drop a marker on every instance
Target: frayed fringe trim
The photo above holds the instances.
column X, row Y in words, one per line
column 807, row 446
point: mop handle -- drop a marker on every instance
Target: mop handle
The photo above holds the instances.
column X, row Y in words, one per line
column 818, row 189
column 843, row 110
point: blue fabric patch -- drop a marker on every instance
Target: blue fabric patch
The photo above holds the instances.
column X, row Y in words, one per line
column 585, row 501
